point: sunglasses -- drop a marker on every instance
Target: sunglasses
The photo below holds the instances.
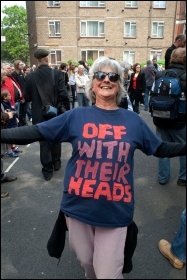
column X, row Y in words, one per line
column 100, row 76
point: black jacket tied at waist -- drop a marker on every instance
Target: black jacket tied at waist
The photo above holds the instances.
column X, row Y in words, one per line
column 56, row 242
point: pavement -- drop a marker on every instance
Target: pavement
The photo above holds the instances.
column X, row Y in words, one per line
column 29, row 213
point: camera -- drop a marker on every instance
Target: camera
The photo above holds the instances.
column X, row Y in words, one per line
column 61, row 109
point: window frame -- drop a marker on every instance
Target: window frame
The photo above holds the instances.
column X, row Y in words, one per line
column 131, row 5
column 53, row 6
column 88, row 36
column 58, row 33
column 131, row 23
column 94, row 50
column 55, row 52
column 156, row 36
column 130, row 52
column 155, row 6
column 102, row 4
column 156, row 52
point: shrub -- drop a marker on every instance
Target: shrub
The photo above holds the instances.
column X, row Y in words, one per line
column 90, row 62
column 72, row 60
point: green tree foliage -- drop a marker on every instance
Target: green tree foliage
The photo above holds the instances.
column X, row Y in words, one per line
column 14, row 27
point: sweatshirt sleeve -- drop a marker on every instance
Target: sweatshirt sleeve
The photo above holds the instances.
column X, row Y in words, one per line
column 21, row 135
column 167, row 149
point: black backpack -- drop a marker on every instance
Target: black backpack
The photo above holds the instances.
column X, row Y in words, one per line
column 166, row 98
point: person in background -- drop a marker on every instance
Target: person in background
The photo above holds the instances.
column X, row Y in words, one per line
column 26, row 71
column 7, row 83
column 13, row 122
column 12, row 68
column 137, row 87
column 81, row 80
column 155, row 64
column 126, row 80
column 72, row 83
column 150, row 73
column 175, row 252
column 86, row 68
column 5, row 117
column 33, row 68
column 19, row 78
column 98, row 187
column 125, row 100
column 63, row 68
column 180, row 41
column 50, row 154
column 173, row 130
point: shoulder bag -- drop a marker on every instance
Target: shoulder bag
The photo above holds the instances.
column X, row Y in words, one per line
column 49, row 111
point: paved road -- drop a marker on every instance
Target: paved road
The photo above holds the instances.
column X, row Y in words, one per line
column 29, row 213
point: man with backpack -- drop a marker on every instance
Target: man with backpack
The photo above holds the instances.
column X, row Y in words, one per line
column 180, row 41
column 168, row 109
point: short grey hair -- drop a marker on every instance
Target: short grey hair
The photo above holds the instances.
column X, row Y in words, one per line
column 149, row 62
column 98, row 66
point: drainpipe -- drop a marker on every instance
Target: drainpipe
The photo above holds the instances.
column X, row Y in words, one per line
column 174, row 27
column 149, row 27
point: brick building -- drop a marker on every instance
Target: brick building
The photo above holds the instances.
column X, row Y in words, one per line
column 125, row 30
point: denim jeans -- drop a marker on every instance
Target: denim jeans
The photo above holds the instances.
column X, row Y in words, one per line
column 178, row 246
column 73, row 92
column 29, row 110
column 82, row 100
column 171, row 135
column 146, row 98
column 21, row 108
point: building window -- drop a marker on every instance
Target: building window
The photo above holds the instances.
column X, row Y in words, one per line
column 53, row 3
column 157, row 29
column 131, row 4
column 91, row 54
column 92, row 3
column 54, row 28
column 55, row 57
column 92, row 29
column 159, row 4
column 157, row 54
column 129, row 56
column 130, row 29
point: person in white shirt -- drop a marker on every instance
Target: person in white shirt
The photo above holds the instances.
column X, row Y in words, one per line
column 81, row 79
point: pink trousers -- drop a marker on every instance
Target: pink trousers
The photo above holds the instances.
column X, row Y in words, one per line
column 100, row 250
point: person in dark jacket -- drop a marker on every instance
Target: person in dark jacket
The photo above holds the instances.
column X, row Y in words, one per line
column 180, row 41
column 50, row 155
column 63, row 69
column 18, row 77
column 5, row 117
column 173, row 130
column 150, row 72
column 137, row 87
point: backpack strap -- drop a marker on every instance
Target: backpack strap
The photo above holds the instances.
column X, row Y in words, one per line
column 181, row 73
column 176, row 75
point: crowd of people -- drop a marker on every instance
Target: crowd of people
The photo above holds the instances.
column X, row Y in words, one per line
column 104, row 138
